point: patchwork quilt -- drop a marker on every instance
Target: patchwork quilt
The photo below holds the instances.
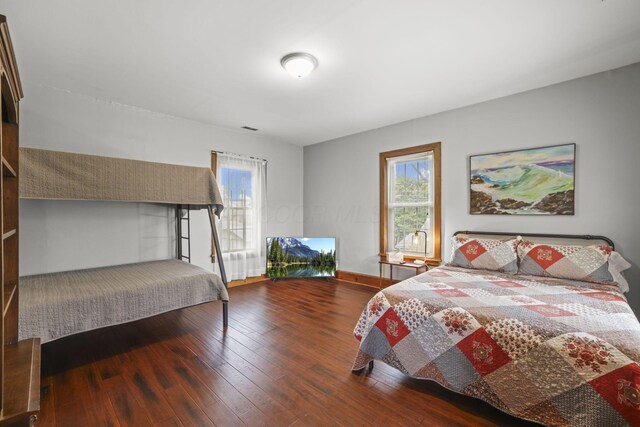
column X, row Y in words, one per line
column 555, row 351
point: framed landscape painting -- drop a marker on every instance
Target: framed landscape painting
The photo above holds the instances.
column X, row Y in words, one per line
column 536, row 181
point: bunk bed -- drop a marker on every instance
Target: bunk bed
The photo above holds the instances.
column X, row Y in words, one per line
column 55, row 305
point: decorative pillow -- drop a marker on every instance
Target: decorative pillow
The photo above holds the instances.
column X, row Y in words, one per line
column 594, row 263
column 617, row 265
column 485, row 254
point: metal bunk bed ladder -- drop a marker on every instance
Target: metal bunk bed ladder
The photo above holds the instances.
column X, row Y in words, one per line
column 182, row 215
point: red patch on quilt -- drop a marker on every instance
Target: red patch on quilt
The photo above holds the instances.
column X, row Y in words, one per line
column 545, row 256
column 472, row 250
column 604, row 296
column 483, row 352
column 451, row 293
column 621, row 388
column 549, row 310
column 507, row 284
column 392, row 327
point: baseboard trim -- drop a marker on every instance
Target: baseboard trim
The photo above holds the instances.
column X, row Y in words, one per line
column 346, row 276
column 363, row 279
column 247, row 281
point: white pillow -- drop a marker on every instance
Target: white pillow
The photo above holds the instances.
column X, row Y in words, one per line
column 617, row 265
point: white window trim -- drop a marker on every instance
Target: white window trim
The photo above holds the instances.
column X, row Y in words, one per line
column 391, row 205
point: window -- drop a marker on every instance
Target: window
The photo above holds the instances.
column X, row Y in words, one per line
column 410, row 201
column 237, row 228
column 242, row 225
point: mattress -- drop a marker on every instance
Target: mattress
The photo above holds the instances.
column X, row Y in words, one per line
column 554, row 351
column 56, row 175
column 55, row 305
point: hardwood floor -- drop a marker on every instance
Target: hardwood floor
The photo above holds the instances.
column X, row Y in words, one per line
column 285, row 360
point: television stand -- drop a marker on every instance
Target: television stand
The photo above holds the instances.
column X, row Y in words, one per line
column 325, row 278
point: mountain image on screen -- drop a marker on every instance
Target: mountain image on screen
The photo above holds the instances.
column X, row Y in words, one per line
column 301, row 257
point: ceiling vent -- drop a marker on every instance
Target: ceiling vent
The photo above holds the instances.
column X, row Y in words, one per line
column 249, row 128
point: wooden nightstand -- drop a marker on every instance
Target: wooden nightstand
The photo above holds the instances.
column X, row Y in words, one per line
column 416, row 268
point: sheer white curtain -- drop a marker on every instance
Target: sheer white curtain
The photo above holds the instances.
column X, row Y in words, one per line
column 242, row 227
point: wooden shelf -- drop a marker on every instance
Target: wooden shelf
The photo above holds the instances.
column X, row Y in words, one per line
column 7, row 170
column 8, row 234
column 19, row 361
column 9, row 292
column 21, row 381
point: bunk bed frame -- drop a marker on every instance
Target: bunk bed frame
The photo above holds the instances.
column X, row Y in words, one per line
column 54, row 175
column 223, row 274
column 183, row 216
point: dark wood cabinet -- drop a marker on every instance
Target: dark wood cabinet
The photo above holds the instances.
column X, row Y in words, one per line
column 19, row 360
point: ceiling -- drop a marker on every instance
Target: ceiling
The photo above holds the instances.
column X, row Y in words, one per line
column 381, row 62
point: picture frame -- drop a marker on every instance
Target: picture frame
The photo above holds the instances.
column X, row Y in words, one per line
column 530, row 181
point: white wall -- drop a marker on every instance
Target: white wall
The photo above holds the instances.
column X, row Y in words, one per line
column 56, row 236
column 600, row 113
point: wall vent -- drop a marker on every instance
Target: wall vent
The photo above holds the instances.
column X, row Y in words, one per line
column 249, row 128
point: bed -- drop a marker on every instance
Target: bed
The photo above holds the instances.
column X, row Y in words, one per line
column 555, row 351
column 55, row 305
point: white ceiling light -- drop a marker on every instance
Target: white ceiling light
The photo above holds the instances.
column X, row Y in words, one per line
column 299, row 64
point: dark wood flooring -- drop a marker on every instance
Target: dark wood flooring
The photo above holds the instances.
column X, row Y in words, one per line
column 284, row 360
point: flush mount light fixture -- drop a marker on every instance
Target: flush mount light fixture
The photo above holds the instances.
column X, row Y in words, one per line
column 299, row 64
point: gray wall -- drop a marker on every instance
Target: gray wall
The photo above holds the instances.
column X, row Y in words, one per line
column 56, row 236
column 600, row 113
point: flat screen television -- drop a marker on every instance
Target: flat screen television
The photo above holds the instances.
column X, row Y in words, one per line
column 301, row 257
